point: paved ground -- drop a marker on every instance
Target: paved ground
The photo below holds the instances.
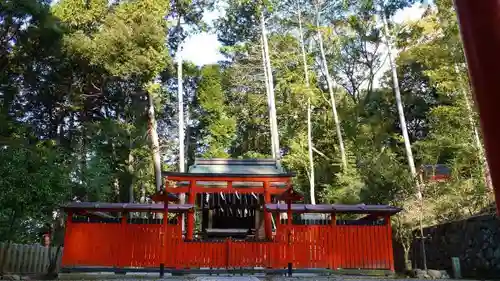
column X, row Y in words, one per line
column 304, row 277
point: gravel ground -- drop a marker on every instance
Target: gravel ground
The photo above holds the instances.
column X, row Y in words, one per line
column 299, row 277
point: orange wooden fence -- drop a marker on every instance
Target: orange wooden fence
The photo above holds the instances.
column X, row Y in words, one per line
column 305, row 246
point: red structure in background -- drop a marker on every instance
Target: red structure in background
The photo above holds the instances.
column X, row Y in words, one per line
column 434, row 173
column 479, row 22
column 108, row 244
column 196, row 184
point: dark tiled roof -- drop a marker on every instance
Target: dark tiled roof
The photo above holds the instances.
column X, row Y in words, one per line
column 242, row 168
column 335, row 208
column 130, row 207
column 236, row 166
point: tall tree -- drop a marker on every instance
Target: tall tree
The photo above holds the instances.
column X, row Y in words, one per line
column 330, row 82
column 270, row 81
column 312, row 189
column 245, row 21
column 399, row 103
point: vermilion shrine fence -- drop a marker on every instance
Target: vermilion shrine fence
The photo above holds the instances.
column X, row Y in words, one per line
column 123, row 244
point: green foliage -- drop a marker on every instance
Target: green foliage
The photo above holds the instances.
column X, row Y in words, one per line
column 76, row 77
column 128, row 41
column 346, row 188
column 219, row 127
column 35, row 180
column 241, row 22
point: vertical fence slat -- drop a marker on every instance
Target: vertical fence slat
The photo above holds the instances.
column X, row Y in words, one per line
column 40, row 259
column 28, row 259
column 23, row 255
column 16, row 258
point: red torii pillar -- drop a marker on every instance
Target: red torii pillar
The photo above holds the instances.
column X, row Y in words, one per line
column 268, row 228
column 479, row 22
column 190, row 215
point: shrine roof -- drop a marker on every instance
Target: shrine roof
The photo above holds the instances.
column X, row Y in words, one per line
column 129, row 207
column 335, row 208
column 237, row 168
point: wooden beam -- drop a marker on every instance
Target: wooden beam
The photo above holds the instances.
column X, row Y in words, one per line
column 242, row 190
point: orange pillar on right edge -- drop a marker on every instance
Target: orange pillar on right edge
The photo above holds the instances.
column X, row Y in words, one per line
column 479, row 22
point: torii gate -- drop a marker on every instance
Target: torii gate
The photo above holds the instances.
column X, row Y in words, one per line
column 479, row 22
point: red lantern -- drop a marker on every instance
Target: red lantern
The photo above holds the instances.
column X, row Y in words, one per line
column 46, row 240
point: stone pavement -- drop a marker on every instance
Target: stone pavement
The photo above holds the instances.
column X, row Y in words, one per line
column 298, row 277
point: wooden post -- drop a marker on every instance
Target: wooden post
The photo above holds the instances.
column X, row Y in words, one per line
column 67, row 234
column 69, row 220
column 123, row 219
column 333, row 238
column 289, row 234
column 479, row 23
column 166, row 237
column 122, row 257
column 180, row 217
column 257, row 219
column 190, row 215
column 389, row 242
column 289, row 212
column 267, row 216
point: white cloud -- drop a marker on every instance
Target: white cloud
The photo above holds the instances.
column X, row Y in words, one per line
column 202, row 49
column 409, row 14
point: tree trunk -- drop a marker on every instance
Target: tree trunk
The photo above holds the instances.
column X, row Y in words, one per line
column 312, row 190
column 142, row 198
column 406, row 255
column 180, row 97
column 330, row 82
column 52, row 268
column 274, row 130
column 268, row 94
column 130, row 170
column 404, row 130
column 155, row 144
column 399, row 103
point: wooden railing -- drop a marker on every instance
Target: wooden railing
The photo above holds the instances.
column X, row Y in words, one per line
column 305, row 246
column 26, row 259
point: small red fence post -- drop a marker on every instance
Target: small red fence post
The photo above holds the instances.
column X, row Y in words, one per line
column 228, row 252
column 389, row 242
column 122, row 257
column 67, row 234
column 332, row 238
column 290, row 249
column 164, row 240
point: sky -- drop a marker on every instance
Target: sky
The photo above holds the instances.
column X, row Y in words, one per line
column 203, row 48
